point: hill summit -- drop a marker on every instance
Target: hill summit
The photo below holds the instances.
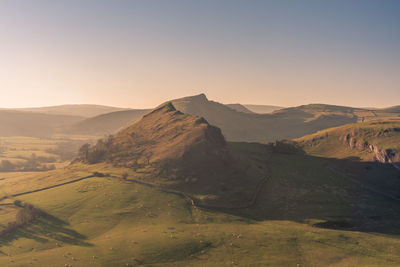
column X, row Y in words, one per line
column 174, row 149
column 168, row 137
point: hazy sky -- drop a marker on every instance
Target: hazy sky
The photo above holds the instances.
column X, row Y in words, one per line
column 141, row 53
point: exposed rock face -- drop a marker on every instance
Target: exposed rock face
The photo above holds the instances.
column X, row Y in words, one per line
column 384, row 156
column 355, row 141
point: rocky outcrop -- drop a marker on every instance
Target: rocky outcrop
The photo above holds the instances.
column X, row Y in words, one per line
column 355, row 140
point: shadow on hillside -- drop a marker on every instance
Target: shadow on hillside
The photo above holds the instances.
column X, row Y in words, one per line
column 45, row 229
column 344, row 194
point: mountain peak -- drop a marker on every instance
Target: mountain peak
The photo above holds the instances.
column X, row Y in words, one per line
column 167, row 136
column 163, row 108
column 197, row 98
column 201, row 96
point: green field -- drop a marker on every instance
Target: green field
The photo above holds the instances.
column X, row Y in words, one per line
column 108, row 221
column 384, row 134
column 44, row 151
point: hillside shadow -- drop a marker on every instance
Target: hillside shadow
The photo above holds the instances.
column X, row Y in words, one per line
column 46, row 229
column 344, row 194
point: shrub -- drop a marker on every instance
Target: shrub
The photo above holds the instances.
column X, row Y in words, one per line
column 99, row 174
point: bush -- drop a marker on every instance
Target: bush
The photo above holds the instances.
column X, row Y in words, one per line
column 99, row 174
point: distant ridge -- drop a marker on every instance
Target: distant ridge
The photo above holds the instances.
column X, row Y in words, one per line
column 282, row 124
column 239, row 107
column 394, row 109
column 82, row 110
column 262, row 109
column 237, row 122
column 105, row 123
column 23, row 123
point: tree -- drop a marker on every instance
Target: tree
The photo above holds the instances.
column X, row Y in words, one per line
column 83, row 152
column 6, row 165
column 27, row 214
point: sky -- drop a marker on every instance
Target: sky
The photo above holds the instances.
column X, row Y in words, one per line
column 139, row 54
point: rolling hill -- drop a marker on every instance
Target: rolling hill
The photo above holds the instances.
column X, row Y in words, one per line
column 282, row 124
column 105, row 123
column 84, row 110
column 394, row 109
column 239, row 107
column 248, row 108
column 21, row 123
column 369, row 141
column 237, row 122
column 262, row 109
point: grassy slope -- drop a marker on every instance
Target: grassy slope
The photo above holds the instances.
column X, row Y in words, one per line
column 122, row 223
column 328, row 143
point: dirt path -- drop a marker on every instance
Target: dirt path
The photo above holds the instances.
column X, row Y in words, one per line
column 195, row 203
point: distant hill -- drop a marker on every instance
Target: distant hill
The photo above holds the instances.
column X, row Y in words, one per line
column 262, row 109
column 370, row 141
column 394, row 109
column 105, row 123
column 237, row 122
column 84, row 110
column 20, row 123
column 282, row 124
column 239, row 107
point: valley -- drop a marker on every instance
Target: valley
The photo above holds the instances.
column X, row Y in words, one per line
column 180, row 133
column 169, row 190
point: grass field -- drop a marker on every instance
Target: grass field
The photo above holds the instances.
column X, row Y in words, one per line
column 19, row 148
column 54, row 151
column 383, row 134
column 106, row 221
